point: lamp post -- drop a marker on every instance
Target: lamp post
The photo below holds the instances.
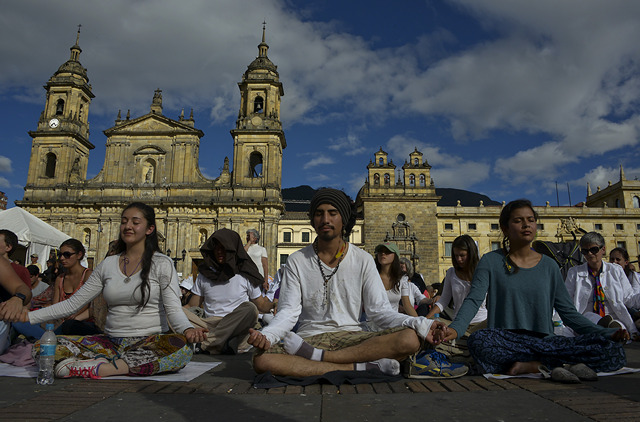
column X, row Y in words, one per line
column 175, row 258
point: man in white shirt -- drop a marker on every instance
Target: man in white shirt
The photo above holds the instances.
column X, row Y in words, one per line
column 324, row 287
column 228, row 290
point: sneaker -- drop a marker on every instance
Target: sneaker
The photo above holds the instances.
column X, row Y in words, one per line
column 432, row 364
column 72, row 367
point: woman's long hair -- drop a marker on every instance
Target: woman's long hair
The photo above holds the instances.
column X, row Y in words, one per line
column 505, row 215
column 465, row 243
column 395, row 272
column 150, row 247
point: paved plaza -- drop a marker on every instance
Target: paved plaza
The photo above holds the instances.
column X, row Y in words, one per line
column 225, row 393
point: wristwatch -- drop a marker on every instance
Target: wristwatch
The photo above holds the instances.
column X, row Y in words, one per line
column 21, row 296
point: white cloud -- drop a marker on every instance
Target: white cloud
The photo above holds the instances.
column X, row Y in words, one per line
column 318, row 161
column 5, row 183
column 350, row 143
column 5, row 164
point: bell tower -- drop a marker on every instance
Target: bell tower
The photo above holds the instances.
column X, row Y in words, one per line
column 258, row 138
column 60, row 149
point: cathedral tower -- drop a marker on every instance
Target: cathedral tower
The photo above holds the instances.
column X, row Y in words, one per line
column 60, row 150
column 258, row 139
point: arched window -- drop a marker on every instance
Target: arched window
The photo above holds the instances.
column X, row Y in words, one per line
column 636, row 202
column 381, row 161
column 376, row 179
column 412, row 180
column 423, row 182
column 255, row 164
column 618, row 203
column 50, row 169
column 387, row 179
column 81, row 112
column 258, row 104
column 60, row 107
column 416, row 162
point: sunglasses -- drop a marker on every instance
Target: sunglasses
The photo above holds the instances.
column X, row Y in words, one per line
column 67, row 255
column 592, row 251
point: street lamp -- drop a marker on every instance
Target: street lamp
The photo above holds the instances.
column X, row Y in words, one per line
column 175, row 258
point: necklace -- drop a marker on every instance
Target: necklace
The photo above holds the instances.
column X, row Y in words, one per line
column 326, row 278
column 125, row 261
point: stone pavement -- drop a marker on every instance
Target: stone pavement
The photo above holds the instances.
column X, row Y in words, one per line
column 225, row 393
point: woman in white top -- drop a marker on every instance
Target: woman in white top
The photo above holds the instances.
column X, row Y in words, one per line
column 140, row 285
column 395, row 282
column 457, row 282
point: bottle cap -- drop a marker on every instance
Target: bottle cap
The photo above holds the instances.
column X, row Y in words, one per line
column 49, row 326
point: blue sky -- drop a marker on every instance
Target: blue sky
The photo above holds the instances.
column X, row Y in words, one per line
column 504, row 97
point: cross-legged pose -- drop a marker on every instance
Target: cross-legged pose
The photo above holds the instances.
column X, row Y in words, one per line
column 228, row 290
column 522, row 287
column 140, row 285
column 324, row 288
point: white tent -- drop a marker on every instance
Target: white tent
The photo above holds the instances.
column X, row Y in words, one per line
column 33, row 233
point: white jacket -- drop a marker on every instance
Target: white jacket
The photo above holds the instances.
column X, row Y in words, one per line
column 617, row 291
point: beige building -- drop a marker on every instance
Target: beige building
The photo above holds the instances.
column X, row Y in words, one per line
column 154, row 159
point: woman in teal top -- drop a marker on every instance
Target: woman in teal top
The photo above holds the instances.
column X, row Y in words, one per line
column 522, row 289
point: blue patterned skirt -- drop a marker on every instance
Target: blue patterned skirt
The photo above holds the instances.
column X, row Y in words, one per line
column 495, row 350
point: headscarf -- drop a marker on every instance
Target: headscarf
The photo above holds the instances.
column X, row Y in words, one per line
column 338, row 199
column 237, row 261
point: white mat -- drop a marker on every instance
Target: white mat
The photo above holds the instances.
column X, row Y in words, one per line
column 624, row 370
column 186, row 374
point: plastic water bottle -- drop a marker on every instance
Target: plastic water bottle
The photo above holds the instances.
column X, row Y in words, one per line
column 48, row 344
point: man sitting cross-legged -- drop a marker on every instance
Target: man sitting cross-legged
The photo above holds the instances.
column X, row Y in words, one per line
column 324, row 288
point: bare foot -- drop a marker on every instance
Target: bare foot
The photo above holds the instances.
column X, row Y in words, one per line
column 524, row 368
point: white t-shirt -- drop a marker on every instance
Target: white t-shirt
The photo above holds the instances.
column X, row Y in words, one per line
column 222, row 298
column 257, row 252
column 355, row 286
column 396, row 295
column 415, row 296
column 124, row 319
column 457, row 289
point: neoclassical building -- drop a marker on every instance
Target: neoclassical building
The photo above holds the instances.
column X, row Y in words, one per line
column 154, row 159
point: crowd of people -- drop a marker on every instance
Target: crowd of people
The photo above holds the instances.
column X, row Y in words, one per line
column 331, row 307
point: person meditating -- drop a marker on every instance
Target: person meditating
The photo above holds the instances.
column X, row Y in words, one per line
column 140, row 286
column 324, row 288
column 522, row 288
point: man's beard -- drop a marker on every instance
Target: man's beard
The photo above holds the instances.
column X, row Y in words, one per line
column 328, row 236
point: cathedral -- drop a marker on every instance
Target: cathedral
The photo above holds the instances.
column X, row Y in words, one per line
column 154, row 159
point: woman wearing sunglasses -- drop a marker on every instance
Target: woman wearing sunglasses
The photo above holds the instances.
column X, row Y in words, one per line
column 68, row 283
column 600, row 290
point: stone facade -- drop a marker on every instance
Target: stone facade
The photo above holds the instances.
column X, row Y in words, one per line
column 154, row 159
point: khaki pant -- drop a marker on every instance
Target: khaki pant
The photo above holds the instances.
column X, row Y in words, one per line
column 229, row 333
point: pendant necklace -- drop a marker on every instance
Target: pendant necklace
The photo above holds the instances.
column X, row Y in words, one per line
column 125, row 261
column 325, row 278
